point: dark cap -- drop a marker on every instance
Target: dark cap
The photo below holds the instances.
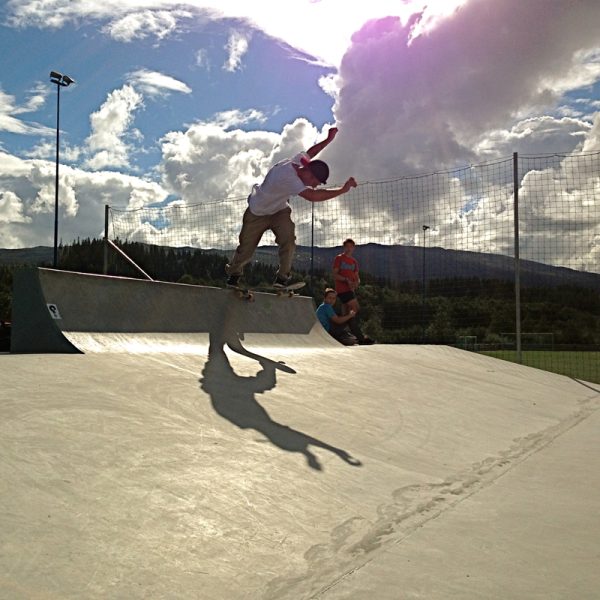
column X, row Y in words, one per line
column 319, row 169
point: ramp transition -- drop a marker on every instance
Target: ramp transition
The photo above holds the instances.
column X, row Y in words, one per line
column 387, row 472
column 67, row 312
column 279, row 473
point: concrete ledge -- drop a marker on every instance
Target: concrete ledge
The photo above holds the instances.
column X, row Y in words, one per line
column 62, row 311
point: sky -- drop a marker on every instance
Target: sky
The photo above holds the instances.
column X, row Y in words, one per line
column 191, row 102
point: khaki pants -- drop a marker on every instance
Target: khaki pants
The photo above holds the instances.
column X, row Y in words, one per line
column 253, row 227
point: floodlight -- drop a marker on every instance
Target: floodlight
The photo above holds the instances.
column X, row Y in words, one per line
column 61, row 81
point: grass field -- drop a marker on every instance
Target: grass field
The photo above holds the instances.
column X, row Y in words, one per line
column 579, row 365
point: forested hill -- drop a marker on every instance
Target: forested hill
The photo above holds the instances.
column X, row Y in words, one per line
column 39, row 255
column 396, row 307
column 397, row 264
column 393, row 264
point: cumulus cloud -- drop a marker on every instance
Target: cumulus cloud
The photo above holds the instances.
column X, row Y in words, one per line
column 237, row 46
column 536, row 135
column 129, row 19
column 234, row 118
column 592, row 141
column 560, row 209
column 11, row 208
column 207, row 162
column 47, row 150
column 425, row 102
column 110, row 141
column 412, row 96
column 330, row 84
column 110, row 125
column 154, row 83
column 202, row 59
column 211, row 170
column 28, row 193
column 146, row 23
column 35, row 101
column 11, row 123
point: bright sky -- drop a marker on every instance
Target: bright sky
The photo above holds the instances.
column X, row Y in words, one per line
column 192, row 101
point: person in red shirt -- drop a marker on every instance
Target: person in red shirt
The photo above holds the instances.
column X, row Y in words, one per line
column 345, row 273
column 347, row 280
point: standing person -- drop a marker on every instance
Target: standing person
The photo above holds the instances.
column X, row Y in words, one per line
column 269, row 208
column 334, row 324
column 347, row 280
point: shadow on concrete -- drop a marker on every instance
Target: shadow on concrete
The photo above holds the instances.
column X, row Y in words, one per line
column 234, row 398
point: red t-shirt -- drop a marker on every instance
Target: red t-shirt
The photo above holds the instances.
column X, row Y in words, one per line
column 347, row 267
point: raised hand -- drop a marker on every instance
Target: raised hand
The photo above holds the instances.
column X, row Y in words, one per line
column 350, row 183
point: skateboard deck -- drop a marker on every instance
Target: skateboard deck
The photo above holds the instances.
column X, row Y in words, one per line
column 248, row 293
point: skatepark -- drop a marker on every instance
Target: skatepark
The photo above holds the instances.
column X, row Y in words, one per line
column 171, row 441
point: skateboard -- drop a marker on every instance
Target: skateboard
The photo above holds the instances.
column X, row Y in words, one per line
column 248, row 294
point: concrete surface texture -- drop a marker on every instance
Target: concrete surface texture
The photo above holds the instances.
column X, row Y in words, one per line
column 233, row 462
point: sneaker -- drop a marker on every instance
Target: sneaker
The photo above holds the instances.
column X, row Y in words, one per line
column 366, row 341
column 349, row 340
column 282, row 282
column 233, row 281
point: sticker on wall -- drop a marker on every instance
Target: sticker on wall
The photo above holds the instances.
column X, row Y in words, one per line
column 54, row 311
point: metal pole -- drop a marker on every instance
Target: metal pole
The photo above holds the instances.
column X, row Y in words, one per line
column 425, row 228
column 105, row 265
column 129, row 260
column 312, row 247
column 55, row 262
column 517, row 258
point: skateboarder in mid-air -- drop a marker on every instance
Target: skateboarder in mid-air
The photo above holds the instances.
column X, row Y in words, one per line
column 269, row 208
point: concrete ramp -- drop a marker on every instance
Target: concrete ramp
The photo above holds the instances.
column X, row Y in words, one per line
column 211, row 449
column 62, row 311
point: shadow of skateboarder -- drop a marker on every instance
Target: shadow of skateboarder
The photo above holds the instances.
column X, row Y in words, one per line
column 234, row 398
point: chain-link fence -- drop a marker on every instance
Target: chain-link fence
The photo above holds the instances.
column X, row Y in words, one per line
column 501, row 257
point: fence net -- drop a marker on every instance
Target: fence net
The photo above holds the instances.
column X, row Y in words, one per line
column 436, row 252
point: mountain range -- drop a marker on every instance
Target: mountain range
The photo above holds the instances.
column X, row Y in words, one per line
column 392, row 263
column 409, row 263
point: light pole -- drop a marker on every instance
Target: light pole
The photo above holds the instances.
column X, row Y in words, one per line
column 61, row 81
column 425, row 228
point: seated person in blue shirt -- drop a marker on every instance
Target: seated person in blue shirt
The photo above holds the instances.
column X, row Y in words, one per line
column 334, row 324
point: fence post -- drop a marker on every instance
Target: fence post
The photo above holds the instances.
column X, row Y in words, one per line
column 312, row 248
column 423, row 330
column 517, row 258
column 105, row 264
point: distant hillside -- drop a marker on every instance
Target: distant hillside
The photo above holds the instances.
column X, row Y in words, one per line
column 393, row 263
column 405, row 263
column 40, row 255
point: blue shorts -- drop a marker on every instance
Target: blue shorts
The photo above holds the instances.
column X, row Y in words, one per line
column 345, row 297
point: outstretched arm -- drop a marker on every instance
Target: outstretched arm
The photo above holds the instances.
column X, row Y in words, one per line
column 339, row 320
column 313, row 195
column 314, row 150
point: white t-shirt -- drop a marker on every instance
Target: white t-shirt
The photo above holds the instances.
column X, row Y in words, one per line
column 280, row 183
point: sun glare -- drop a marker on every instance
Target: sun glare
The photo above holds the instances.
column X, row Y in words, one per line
column 321, row 28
